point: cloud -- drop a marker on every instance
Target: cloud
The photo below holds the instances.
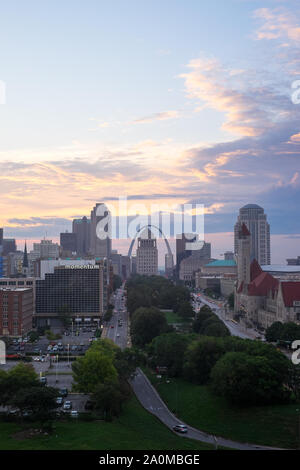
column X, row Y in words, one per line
column 277, row 23
column 163, row 116
column 251, row 107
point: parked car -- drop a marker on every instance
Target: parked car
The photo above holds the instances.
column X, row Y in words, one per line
column 67, row 405
column 43, row 380
column 63, row 392
column 74, row 414
column 59, row 400
column 181, row 428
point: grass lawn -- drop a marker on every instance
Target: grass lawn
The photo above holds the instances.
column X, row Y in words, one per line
column 135, row 429
column 173, row 317
column 276, row 426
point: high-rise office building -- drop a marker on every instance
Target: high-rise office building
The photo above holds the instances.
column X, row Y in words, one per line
column 255, row 219
column 82, row 229
column 44, row 250
column 80, row 290
column 147, row 254
column 100, row 246
column 68, row 243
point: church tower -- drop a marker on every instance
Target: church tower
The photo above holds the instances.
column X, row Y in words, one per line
column 243, row 257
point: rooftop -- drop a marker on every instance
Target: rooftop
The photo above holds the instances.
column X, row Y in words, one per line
column 221, row 263
column 278, row 268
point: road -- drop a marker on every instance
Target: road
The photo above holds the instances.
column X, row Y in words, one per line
column 113, row 330
column 146, row 393
column 151, row 401
column 218, row 309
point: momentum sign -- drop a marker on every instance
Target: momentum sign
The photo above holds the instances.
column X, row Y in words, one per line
column 82, row 266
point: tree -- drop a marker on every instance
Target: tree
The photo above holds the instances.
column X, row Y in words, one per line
column 200, row 357
column 21, row 376
column 274, row 332
column 93, row 368
column 248, row 380
column 146, row 324
column 39, row 402
column 186, row 310
column 216, row 328
column 168, row 351
column 108, row 397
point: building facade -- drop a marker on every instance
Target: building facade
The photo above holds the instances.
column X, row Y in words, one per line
column 255, row 220
column 81, row 291
column 16, row 311
column 147, row 254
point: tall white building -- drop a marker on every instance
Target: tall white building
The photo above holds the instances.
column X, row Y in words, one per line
column 147, row 254
column 255, row 219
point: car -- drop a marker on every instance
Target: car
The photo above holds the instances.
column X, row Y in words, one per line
column 63, row 392
column 112, row 326
column 49, row 348
column 74, row 414
column 118, row 336
column 67, row 405
column 181, row 428
column 74, row 347
column 59, row 400
column 43, row 380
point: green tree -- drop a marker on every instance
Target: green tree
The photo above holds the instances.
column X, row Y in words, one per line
column 274, row 332
column 146, row 324
column 186, row 310
column 108, row 398
column 93, row 368
column 39, row 402
column 200, row 357
column 168, row 351
column 248, row 380
column 216, row 328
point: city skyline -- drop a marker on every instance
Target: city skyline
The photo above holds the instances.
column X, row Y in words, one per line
column 132, row 107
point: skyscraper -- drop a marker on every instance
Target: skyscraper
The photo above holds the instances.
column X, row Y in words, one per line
column 255, row 219
column 147, row 254
column 82, row 229
column 100, row 247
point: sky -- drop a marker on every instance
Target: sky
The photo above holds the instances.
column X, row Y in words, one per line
column 165, row 102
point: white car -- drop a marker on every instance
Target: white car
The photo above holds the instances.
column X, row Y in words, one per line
column 74, row 414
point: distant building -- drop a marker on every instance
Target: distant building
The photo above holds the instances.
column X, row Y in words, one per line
column 8, row 246
column 260, row 298
column 16, row 311
column 45, row 249
column 229, row 256
column 147, row 254
column 218, row 267
column 81, row 228
column 68, row 243
column 255, row 220
column 169, row 265
column 80, row 290
column 100, row 247
column 293, row 261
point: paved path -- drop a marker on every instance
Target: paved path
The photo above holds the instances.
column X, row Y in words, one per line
column 152, row 402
